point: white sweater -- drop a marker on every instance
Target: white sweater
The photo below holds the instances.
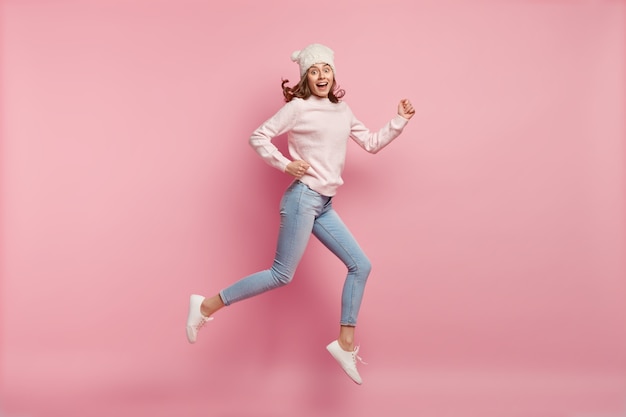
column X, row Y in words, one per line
column 318, row 134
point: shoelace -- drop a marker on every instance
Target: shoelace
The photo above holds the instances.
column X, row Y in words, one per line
column 203, row 321
column 355, row 356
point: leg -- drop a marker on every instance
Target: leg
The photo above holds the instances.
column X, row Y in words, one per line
column 299, row 207
column 332, row 232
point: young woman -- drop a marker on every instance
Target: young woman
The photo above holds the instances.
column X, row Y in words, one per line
column 318, row 124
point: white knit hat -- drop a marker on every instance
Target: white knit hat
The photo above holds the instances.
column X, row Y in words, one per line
column 313, row 54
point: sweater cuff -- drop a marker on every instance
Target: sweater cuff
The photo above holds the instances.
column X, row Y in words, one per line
column 399, row 122
column 282, row 163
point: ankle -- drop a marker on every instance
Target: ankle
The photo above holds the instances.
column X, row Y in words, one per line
column 346, row 344
column 205, row 310
column 346, row 338
column 210, row 305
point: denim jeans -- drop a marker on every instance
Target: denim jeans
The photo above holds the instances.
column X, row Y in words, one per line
column 302, row 212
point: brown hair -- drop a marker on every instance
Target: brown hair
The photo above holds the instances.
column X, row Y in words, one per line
column 302, row 90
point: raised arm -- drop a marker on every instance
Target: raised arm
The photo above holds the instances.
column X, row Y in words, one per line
column 374, row 141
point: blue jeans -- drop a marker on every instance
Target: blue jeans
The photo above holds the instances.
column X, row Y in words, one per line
column 302, row 212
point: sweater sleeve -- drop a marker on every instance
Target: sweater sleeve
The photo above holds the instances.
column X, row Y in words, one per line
column 261, row 139
column 373, row 142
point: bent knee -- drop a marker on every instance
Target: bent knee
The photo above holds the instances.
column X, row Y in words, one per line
column 366, row 266
column 362, row 266
column 281, row 278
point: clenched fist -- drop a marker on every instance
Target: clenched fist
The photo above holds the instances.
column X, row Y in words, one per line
column 297, row 168
column 405, row 109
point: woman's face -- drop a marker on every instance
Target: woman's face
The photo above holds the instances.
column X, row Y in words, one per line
column 320, row 78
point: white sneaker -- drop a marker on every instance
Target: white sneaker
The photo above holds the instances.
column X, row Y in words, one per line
column 347, row 360
column 195, row 319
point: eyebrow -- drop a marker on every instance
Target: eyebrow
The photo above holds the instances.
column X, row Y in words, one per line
column 324, row 67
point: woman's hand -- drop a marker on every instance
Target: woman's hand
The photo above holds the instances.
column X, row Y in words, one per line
column 405, row 109
column 297, row 168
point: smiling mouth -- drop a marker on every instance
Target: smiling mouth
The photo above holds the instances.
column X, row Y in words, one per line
column 322, row 85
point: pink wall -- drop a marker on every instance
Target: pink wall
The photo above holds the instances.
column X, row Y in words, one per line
column 495, row 223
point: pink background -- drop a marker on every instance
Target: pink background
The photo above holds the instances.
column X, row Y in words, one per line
column 495, row 223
